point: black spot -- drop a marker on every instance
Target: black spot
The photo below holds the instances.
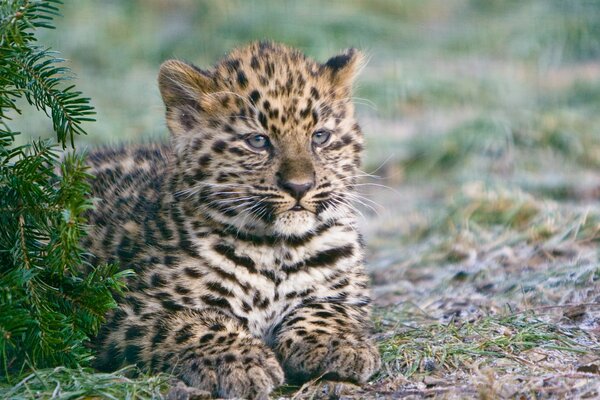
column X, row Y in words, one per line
column 199, row 175
column 181, row 290
column 229, row 253
column 304, row 112
column 229, row 277
column 219, row 146
column 324, row 314
column 347, row 139
column 187, row 120
column 246, row 307
column 294, row 320
column 259, row 302
column 192, row 272
column 222, row 177
column 254, row 64
column 194, row 367
column 218, row 288
column 262, row 118
column 340, row 309
column 157, row 280
column 207, row 337
column 204, row 160
column 228, row 129
column 184, row 334
column 233, row 64
column 116, row 320
column 215, row 301
column 171, row 305
column 134, row 331
column 146, row 317
column 270, row 275
column 254, row 96
column 155, row 362
column 127, row 250
column 314, row 93
column 242, row 79
column 288, row 342
column 237, row 151
column 341, row 284
column 217, row 327
column 228, row 358
column 269, row 69
column 112, row 357
column 162, row 295
column 136, row 304
column 160, row 335
column 327, row 257
column 132, row 353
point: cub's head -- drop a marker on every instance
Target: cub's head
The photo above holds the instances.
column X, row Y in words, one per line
column 267, row 140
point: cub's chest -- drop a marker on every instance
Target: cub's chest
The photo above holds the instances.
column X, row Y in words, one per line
column 259, row 285
column 260, row 296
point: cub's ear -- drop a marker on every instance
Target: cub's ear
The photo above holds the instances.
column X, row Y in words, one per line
column 343, row 68
column 183, row 84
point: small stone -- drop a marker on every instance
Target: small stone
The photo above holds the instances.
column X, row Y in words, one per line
column 575, row 313
column 589, row 368
column 429, row 365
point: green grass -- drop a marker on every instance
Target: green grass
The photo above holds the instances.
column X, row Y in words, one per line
column 64, row 383
column 452, row 346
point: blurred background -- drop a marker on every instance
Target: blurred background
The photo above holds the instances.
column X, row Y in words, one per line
column 524, row 72
column 482, row 121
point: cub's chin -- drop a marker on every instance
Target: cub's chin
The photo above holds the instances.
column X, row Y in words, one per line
column 294, row 223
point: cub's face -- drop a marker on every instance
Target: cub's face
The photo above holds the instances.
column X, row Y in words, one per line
column 267, row 141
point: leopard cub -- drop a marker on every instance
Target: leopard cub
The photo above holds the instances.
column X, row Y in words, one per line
column 241, row 230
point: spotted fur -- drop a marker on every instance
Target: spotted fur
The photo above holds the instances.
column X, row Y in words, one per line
column 248, row 260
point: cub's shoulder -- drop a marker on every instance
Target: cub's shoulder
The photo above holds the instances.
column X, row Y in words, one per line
column 127, row 165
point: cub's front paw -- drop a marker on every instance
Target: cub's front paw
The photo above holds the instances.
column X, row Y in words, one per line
column 334, row 358
column 249, row 371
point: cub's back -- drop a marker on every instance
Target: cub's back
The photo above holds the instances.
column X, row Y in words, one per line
column 127, row 187
column 119, row 170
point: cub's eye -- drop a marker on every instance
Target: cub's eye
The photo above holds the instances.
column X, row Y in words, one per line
column 320, row 137
column 258, row 141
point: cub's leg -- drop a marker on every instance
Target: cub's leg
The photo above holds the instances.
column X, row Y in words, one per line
column 206, row 349
column 330, row 339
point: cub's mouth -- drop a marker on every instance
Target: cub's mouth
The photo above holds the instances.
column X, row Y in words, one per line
column 299, row 207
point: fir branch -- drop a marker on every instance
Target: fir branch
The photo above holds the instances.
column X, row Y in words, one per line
column 49, row 307
column 18, row 17
column 39, row 80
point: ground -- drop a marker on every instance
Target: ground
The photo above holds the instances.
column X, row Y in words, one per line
column 482, row 214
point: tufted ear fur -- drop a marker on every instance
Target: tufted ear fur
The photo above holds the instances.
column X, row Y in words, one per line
column 184, row 89
column 343, row 68
column 183, row 84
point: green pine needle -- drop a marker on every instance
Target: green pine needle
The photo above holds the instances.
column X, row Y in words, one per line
column 51, row 300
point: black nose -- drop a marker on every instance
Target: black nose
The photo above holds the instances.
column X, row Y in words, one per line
column 296, row 189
